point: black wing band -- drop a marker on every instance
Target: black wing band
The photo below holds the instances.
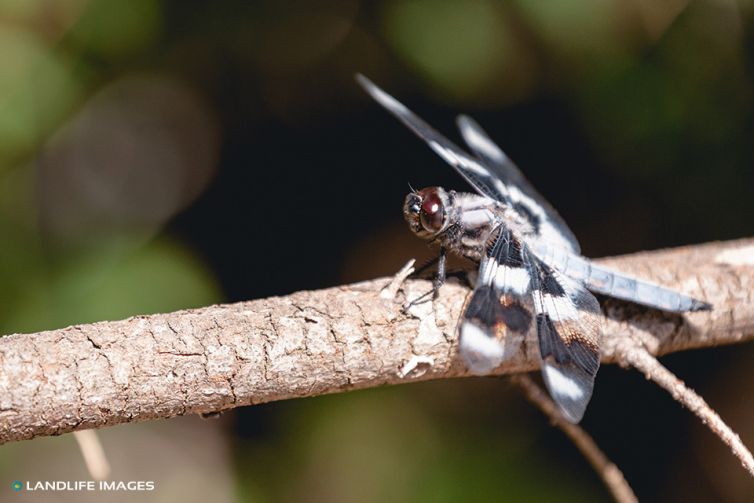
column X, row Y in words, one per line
column 569, row 328
column 500, row 314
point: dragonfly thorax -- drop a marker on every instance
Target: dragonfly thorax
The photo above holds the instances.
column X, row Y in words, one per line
column 460, row 222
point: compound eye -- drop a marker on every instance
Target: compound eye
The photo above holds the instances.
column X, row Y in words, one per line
column 432, row 213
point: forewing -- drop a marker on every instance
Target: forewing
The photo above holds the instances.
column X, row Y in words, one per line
column 478, row 175
column 569, row 328
column 546, row 222
column 500, row 311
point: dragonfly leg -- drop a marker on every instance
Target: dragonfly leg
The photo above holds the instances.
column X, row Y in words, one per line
column 437, row 281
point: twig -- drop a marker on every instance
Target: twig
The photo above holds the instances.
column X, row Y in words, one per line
column 326, row 341
column 94, row 454
column 391, row 290
column 606, row 469
column 638, row 357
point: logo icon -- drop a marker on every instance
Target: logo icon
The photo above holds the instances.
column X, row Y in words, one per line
column 17, row 485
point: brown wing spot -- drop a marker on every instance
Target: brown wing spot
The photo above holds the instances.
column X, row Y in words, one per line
column 501, row 330
column 584, row 330
column 501, row 315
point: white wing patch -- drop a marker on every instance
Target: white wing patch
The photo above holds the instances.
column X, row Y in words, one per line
column 513, row 279
column 559, row 308
column 561, row 384
column 500, row 187
column 481, row 352
column 382, row 97
column 481, row 142
column 451, row 158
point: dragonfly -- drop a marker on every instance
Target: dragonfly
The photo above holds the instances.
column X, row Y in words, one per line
column 532, row 278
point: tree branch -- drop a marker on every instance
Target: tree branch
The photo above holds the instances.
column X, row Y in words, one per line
column 638, row 357
column 93, row 453
column 326, row 341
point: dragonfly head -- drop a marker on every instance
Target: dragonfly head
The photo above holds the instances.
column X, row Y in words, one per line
column 426, row 211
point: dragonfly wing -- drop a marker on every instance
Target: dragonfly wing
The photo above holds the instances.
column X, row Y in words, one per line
column 548, row 225
column 569, row 329
column 500, row 311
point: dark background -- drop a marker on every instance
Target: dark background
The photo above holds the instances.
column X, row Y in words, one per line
column 156, row 156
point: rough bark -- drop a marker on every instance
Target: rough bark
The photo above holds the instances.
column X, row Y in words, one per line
column 315, row 342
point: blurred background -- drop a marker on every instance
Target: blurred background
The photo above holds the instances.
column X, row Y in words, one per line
column 165, row 155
